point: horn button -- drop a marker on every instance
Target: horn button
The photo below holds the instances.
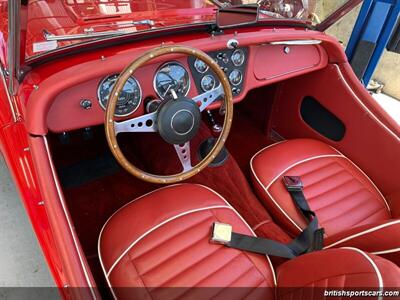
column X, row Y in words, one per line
column 178, row 120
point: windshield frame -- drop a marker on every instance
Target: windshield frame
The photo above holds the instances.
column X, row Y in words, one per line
column 17, row 63
column 103, row 42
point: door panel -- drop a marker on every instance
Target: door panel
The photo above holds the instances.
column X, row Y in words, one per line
column 371, row 138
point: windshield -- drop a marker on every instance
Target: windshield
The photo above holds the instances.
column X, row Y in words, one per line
column 53, row 25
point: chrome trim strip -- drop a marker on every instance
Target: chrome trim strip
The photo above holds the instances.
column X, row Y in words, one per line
column 297, row 42
column 14, row 37
column 81, row 36
column 90, row 33
column 13, row 106
column 65, row 210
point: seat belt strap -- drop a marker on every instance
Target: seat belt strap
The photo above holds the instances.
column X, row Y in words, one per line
column 222, row 234
column 310, row 239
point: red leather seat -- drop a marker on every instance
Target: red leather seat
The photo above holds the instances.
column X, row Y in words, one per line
column 348, row 204
column 157, row 247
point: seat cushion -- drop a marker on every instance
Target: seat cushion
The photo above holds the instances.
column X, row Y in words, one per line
column 338, row 269
column 381, row 238
column 336, row 189
column 157, row 247
column 162, row 240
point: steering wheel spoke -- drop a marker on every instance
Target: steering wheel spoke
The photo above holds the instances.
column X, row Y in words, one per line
column 183, row 152
column 209, row 97
column 145, row 123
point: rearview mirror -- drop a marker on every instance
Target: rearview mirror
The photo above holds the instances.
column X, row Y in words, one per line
column 233, row 16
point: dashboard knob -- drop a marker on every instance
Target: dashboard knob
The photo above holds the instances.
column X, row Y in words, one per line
column 221, row 55
column 236, row 91
column 232, row 44
column 286, row 50
column 86, row 104
column 152, row 105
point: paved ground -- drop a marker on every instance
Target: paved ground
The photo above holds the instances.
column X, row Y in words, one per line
column 21, row 260
column 391, row 105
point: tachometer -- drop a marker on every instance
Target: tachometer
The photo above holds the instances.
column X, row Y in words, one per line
column 129, row 99
column 171, row 76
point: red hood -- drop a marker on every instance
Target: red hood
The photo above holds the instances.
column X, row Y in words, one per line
column 62, row 17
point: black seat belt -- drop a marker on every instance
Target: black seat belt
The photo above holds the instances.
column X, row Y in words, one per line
column 310, row 239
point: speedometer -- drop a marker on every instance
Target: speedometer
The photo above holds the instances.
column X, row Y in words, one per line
column 128, row 100
column 171, row 76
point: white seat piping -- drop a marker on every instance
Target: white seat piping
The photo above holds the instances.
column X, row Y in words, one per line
column 266, row 187
column 227, row 206
column 375, row 267
column 373, row 229
column 158, row 226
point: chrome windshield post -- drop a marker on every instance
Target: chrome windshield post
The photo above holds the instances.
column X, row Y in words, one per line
column 14, row 43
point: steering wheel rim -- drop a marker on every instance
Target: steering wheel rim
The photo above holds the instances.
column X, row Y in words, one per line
column 110, row 128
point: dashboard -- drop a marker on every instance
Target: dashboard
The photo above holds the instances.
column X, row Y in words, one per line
column 174, row 76
column 247, row 67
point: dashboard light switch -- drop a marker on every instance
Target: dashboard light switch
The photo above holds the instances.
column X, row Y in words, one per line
column 86, row 104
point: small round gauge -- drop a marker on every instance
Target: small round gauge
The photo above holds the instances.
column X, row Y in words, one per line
column 129, row 99
column 171, row 76
column 200, row 66
column 207, row 83
column 237, row 57
column 235, row 77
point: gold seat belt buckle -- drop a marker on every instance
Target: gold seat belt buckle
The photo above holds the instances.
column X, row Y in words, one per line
column 221, row 233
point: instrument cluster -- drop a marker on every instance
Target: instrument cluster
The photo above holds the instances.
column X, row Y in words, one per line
column 231, row 61
column 172, row 79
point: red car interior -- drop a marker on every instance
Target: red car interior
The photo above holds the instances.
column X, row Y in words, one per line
column 367, row 125
column 343, row 197
column 299, row 110
column 132, row 240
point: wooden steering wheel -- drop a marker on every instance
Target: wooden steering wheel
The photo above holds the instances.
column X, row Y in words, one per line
column 177, row 120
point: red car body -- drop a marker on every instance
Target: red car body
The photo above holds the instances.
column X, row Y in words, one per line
column 22, row 134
